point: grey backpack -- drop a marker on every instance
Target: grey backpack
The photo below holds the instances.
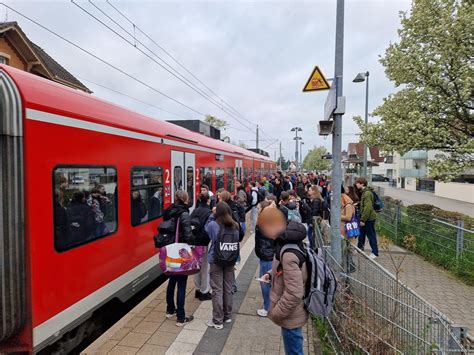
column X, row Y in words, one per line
column 321, row 284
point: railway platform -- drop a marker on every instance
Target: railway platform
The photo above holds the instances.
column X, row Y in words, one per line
column 145, row 330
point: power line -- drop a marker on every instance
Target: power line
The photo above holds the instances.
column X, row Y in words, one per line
column 103, row 60
column 176, row 61
column 171, row 70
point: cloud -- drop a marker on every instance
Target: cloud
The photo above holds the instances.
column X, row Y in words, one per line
column 256, row 55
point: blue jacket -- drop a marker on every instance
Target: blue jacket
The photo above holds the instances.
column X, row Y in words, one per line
column 213, row 230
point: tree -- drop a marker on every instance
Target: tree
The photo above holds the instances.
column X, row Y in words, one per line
column 433, row 65
column 285, row 164
column 313, row 161
column 216, row 122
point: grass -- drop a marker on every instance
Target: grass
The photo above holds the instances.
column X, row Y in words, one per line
column 322, row 328
column 416, row 230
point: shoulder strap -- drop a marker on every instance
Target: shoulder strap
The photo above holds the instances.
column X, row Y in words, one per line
column 177, row 232
column 296, row 250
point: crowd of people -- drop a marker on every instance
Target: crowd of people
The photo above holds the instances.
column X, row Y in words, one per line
column 281, row 209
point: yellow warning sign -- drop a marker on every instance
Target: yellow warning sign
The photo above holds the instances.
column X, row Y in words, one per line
column 316, row 81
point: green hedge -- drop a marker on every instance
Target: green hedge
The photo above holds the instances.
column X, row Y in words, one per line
column 415, row 228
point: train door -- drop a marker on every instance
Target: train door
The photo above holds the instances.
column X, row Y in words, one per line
column 182, row 175
column 238, row 170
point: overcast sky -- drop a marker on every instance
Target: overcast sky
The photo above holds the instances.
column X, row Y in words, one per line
column 256, row 55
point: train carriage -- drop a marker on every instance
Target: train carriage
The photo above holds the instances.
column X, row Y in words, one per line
column 61, row 148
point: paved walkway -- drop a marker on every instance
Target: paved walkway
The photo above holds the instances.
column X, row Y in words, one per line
column 145, row 330
column 435, row 285
column 416, row 197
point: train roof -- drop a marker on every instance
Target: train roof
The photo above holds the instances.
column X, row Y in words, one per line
column 42, row 94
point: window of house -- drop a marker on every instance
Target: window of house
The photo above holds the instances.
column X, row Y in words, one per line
column 205, row 177
column 219, row 178
column 146, row 200
column 3, row 60
column 84, row 204
column 389, row 159
column 230, row 180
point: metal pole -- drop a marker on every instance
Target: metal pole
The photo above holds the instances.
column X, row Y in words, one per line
column 366, row 120
column 296, row 150
column 257, row 138
column 336, row 240
column 280, row 157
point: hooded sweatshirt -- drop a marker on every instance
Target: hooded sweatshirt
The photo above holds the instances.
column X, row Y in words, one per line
column 288, row 281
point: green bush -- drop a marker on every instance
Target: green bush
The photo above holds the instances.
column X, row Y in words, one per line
column 415, row 228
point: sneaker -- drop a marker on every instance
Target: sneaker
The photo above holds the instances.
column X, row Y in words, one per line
column 373, row 256
column 210, row 323
column 205, row 296
column 227, row 320
column 170, row 315
column 234, row 289
column 183, row 322
column 197, row 294
column 262, row 312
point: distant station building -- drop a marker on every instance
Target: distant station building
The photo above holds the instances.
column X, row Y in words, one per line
column 18, row 51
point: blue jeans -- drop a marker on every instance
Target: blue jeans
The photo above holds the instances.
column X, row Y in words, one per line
column 243, row 225
column 265, row 266
column 293, row 341
column 369, row 231
column 312, row 244
column 181, row 281
column 254, row 217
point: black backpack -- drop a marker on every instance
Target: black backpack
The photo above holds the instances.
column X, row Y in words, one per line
column 199, row 218
column 260, row 195
column 226, row 248
column 166, row 233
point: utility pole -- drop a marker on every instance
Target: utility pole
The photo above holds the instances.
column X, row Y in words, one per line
column 281, row 158
column 296, row 130
column 257, row 138
column 366, row 119
column 336, row 240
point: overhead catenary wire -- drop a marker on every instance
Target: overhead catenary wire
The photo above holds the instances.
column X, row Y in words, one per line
column 167, row 68
column 103, row 60
column 176, row 60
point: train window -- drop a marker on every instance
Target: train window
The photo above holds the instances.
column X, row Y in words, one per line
column 219, row 178
column 85, row 204
column 246, row 176
column 178, row 178
column 190, row 184
column 206, row 177
column 230, row 180
column 146, row 202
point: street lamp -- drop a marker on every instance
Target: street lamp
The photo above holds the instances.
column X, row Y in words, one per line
column 360, row 78
column 296, row 130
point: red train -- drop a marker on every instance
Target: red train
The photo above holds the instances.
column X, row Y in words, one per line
column 67, row 158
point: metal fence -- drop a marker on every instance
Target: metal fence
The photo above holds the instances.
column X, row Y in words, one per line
column 377, row 314
column 448, row 243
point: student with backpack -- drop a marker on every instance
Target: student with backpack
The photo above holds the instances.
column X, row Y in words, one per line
column 289, row 208
column 288, row 277
column 368, row 216
column 253, row 201
column 199, row 218
column 223, row 254
column 179, row 213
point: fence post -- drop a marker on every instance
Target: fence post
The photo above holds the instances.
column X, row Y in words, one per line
column 397, row 220
column 459, row 238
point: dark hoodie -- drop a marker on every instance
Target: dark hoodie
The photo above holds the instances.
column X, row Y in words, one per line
column 181, row 212
column 295, row 233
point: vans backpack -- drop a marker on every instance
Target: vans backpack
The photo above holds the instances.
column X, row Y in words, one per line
column 226, row 248
column 321, row 284
column 378, row 202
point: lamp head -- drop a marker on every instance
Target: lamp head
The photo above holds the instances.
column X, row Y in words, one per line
column 359, row 78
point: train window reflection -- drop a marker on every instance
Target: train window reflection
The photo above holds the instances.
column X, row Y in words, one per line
column 206, row 177
column 230, row 180
column 85, row 204
column 146, row 194
column 219, row 178
column 190, row 184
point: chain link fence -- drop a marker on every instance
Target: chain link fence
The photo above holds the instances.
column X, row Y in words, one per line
column 376, row 314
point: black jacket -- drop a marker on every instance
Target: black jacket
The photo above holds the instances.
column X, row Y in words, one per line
column 81, row 223
column 199, row 217
column 264, row 247
column 316, row 206
column 138, row 211
column 181, row 212
column 295, row 233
